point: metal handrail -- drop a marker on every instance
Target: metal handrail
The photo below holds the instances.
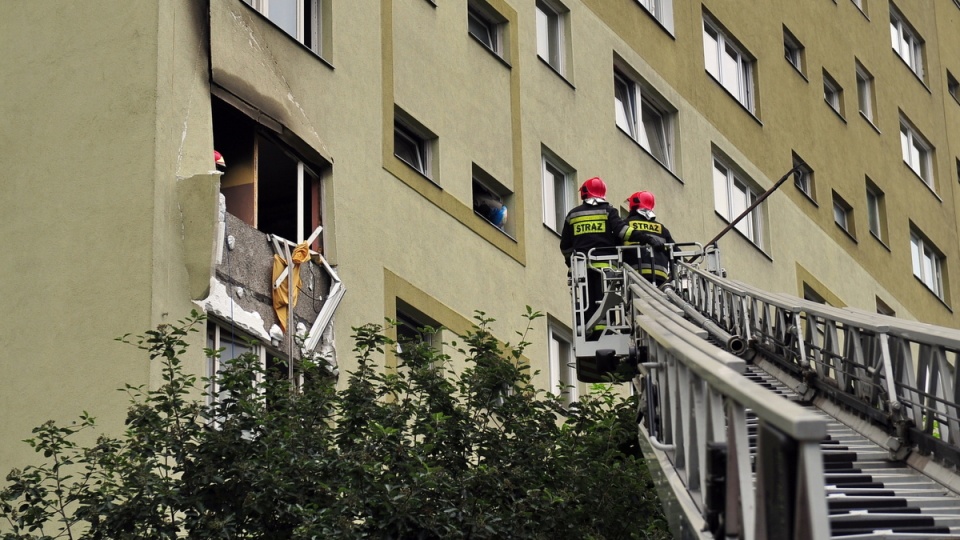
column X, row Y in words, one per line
column 897, row 373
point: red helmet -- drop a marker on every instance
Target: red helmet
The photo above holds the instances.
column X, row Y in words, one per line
column 593, row 188
column 642, row 200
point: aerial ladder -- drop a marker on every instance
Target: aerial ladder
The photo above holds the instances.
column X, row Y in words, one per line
column 765, row 416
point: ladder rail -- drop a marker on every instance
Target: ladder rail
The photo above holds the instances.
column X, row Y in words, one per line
column 898, row 373
column 701, row 400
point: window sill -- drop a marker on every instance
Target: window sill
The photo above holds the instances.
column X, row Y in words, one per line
column 659, row 23
column 418, row 172
column 836, row 112
column 647, row 152
column 912, row 72
column 878, row 239
column 734, row 98
column 553, row 69
column 799, row 72
column 746, row 238
column 847, row 233
column 550, row 229
column 862, row 12
column 870, row 123
column 262, row 17
column 922, row 181
column 489, row 223
column 495, row 54
column 807, row 196
column 931, row 291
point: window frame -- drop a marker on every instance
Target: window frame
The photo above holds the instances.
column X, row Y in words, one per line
column 906, row 42
column 927, row 262
column 832, row 93
column 631, row 117
column 953, row 86
column 794, row 52
column 876, row 211
column 412, row 321
column 752, row 225
column 553, row 217
column 479, row 12
column 843, row 215
column 804, row 179
column 866, row 97
column 745, row 63
column 215, row 364
column 551, row 34
column 419, row 138
column 562, row 373
column 912, row 140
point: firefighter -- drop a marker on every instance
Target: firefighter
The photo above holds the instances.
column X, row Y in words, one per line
column 654, row 263
column 596, row 225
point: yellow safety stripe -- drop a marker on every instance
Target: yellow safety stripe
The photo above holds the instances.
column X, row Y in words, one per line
column 589, row 224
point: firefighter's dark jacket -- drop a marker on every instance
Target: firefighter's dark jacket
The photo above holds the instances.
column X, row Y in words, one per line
column 595, row 226
column 659, row 264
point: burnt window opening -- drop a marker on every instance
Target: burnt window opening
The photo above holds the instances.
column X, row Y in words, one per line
column 266, row 183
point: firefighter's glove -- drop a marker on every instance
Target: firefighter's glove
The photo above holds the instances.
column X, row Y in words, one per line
column 653, row 241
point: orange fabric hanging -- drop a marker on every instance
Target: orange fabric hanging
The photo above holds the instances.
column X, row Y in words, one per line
column 281, row 300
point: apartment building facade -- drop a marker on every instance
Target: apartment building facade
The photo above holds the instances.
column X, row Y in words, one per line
column 384, row 122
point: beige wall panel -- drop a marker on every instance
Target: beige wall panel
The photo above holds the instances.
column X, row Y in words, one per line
column 457, row 89
column 78, row 179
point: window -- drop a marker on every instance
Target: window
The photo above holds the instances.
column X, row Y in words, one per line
column 563, row 371
column 413, row 327
column 876, row 211
column 811, row 295
column 661, row 10
column 651, row 125
column 728, row 64
column 793, row 50
column 234, row 345
column 953, row 87
column 865, row 93
column 803, row 178
column 550, row 33
column 917, row 152
column 413, row 144
column 884, row 309
column 732, row 195
column 861, row 5
column 906, row 43
column 301, row 19
column 486, row 25
column 557, row 191
column 267, row 184
column 491, row 201
column 843, row 214
column 832, row 93
column 927, row 263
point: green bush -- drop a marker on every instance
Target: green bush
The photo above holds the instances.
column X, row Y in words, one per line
column 419, row 452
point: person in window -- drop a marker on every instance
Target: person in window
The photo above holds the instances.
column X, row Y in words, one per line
column 492, row 210
column 595, row 228
column 653, row 263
